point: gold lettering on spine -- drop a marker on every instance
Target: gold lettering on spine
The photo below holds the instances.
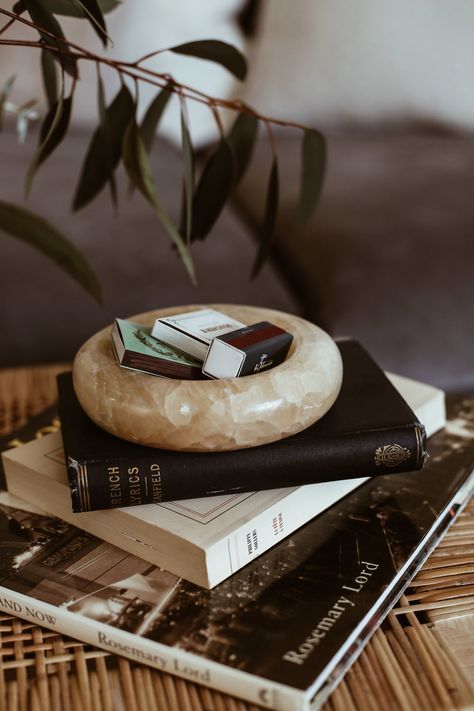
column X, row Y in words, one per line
column 86, row 485
column 83, row 487
column 115, row 486
column 79, row 486
column 419, row 444
column 156, row 485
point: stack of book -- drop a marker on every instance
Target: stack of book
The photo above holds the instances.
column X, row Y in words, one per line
column 174, row 559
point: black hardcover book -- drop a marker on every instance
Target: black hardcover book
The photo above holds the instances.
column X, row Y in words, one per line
column 369, row 430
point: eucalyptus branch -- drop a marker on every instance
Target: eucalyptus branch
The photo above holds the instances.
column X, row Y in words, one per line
column 236, row 105
column 152, row 77
column 120, row 140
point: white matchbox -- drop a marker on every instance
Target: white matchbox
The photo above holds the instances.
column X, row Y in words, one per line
column 192, row 332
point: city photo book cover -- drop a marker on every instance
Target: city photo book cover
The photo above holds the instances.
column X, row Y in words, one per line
column 282, row 630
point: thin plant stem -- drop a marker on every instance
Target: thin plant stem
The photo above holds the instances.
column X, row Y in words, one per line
column 140, row 74
column 7, row 26
column 218, row 118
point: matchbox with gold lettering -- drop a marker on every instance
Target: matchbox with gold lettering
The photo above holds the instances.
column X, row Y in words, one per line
column 247, row 350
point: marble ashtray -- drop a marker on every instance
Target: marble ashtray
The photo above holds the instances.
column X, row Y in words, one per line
column 211, row 415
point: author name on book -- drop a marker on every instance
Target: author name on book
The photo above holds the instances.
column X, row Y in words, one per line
column 326, row 623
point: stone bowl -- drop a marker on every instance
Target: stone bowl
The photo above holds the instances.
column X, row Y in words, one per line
column 211, row 415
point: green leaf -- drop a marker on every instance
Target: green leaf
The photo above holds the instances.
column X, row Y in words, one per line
column 108, row 5
column 188, row 159
column 40, row 234
column 101, row 102
column 92, row 11
column 312, row 173
column 18, row 8
column 242, row 138
column 53, row 130
column 213, row 190
column 104, row 151
column 4, row 92
column 139, row 171
column 151, row 120
column 50, row 77
column 41, row 15
column 104, row 124
column 268, row 227
column 222, row 53
column 153, row 116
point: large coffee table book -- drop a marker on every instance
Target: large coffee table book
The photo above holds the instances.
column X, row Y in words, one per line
column 203, row 540
column 369, row 430
column 281, row 631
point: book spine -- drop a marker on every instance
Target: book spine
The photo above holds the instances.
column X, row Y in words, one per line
column 169, row 476
column 265, row 530
column 171, row 660
column 113, row 484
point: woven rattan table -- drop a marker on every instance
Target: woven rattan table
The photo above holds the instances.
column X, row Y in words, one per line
column 421, row 658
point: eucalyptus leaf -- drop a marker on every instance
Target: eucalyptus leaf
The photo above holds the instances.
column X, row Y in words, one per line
column 101, row 104
column 108, row 5
column 152, row 117
column 4, row 92
column 41, row 14
column 38, row 233
column 104, row 151
column 91, row 9
column 18, row 8
column 137, row 165
column 213, row 189
column 50, row 77
column 188, row 159
column 101, row 101
column 53, row 130
column 242, row 138
column 216, row 51
column 312, row 173
column 268, row 227
column 151, row 120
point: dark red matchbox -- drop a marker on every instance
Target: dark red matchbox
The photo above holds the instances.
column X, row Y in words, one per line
column 246, row 351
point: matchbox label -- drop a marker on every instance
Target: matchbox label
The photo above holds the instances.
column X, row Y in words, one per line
column 247, row 350
column 192, row 332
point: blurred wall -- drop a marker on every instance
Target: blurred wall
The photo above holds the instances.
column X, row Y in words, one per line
column 369, row 62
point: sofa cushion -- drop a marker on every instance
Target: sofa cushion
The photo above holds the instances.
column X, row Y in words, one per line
column 389, row 255
column 45, row 316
